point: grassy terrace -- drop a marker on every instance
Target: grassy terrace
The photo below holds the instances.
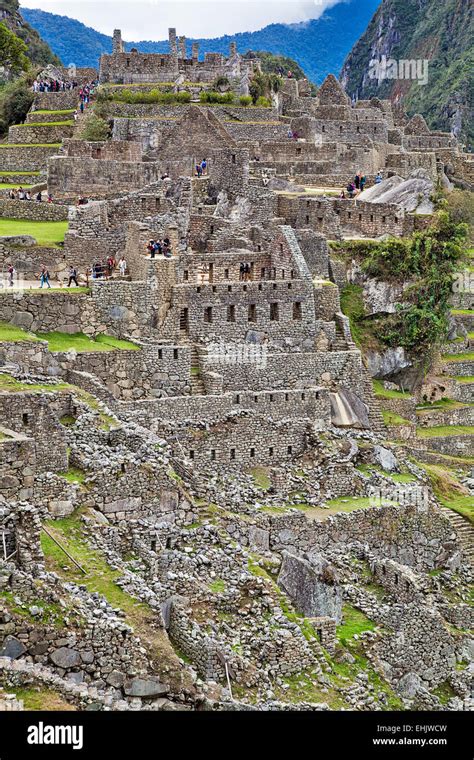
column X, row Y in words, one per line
column 382, row 392
column 81, row 343
column 58, row 341
column 61, row 111
column 48, row 234
column 9, row 186
column 445, row 431
column 30, row 145
column 20, row 174
column 10, row 384
column 467, row 357
column 448, row 490
column 68, row 123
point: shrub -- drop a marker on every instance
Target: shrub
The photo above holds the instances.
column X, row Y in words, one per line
column 263, row 102
column 245, row 100
column 213, row 97
column 15, row 102
column 95, row 129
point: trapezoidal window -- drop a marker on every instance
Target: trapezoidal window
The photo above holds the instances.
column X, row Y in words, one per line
column 231, row 313
column 297, row 313
column 252, row 315
column 208, row 314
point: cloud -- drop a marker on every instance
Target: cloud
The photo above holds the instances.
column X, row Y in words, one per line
column 150, row 19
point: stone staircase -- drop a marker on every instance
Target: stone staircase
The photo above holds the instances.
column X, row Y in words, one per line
column 196, row 383
column 464, row 531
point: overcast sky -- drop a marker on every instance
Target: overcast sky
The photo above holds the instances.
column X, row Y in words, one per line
column 150, row 19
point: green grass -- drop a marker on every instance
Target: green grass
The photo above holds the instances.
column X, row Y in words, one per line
column 464, row 378
column 39, row 698
column 465, row 312
column 58, row 341
column 218, row 586
column 64, row 110
column 441, row 431
column 68, row 123
column 49, row 234
column 73, row 475
column 467, row 357
column 20, row 174
column 354, row 623
column 30, row 145
column 402, row 477
column 261, row 478
column 14, row 334
column 382, row 392
column 390, row 418
column 5, row 186
column 448, row 490
column 51, row 612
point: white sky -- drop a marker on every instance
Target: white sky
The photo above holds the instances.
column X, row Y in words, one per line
column 150, row 19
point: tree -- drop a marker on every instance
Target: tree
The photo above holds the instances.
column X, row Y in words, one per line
column 95, row 129
column 12, row 51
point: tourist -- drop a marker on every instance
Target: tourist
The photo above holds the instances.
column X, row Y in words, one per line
column 11, row 275
column 72, row 276
column 203, row 165
column 27, row 196
column 81, row 107
column 11, row 194
column 21, row 194
column 151, row 249
column 290, row 133
column 122, row 266
column 75, row 115
column 50, row 198
column 241, row 271
column 378, row 178
column 110, row 264
column 39, row 197
column 363, row 180
column 44, row 277
column 357, row 181
column 351, row 189
column 199, row 170
column 342, row 194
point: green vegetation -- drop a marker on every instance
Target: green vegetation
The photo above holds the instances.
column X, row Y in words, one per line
column 12, row 333
column 261, row 478
column 58, row 341
column 46, row 124
column 218, row 586
column 38, row 698
column 48, row 234
column 12, row 51
column 160, row 96
column 428, row 260
column 73, row 475
column 354, row 623
column 61, row 111
column 382, row 392
column 391, row 418
column 15, row 101
column 51, row 613
column 467, row 357
column 95, row 129
column 439, row 431
column 448, row 490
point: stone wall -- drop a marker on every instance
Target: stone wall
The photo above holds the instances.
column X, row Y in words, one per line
column 17, row 465
column 41, row 212
column 25, row 158
column 39, row 133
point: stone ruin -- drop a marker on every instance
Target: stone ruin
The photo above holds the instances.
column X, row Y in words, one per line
column 201, row 462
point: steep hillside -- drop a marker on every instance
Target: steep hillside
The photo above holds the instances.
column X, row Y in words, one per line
column 441, row 32
column 38, row 50
column 319, row 46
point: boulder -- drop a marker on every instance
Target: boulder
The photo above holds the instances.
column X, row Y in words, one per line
column 22, row 319
column 386, row 459
column 145, row 687
column 311, row 585
column 64, row 657
column 12, row 648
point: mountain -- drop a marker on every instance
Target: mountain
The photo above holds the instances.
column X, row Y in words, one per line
column 38, row 51
column 319, row 46
column 440, row 32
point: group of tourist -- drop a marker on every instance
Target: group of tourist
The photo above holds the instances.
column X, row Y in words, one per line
column 159, row 247
column 293, row 134
column 245, row 271
column 201, row 168
column 24, row 195
column 52, row 85
column 106, row 270
column 357, row 185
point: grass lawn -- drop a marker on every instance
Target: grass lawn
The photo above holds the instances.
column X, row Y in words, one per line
column 382, row 392
column 6, row 186
column 58, row 341
column 12, row 333
column 39, row 698
column 442, row 431
column 469, row 312
column 46, row 124
column 260, row 476
column 464, row 378
column 20, row 174
column 449, row 491
column 49, row 234
column 64, row 110
column 390, row 418
column 354, row 623
column 30, row 145
column 467, row 357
